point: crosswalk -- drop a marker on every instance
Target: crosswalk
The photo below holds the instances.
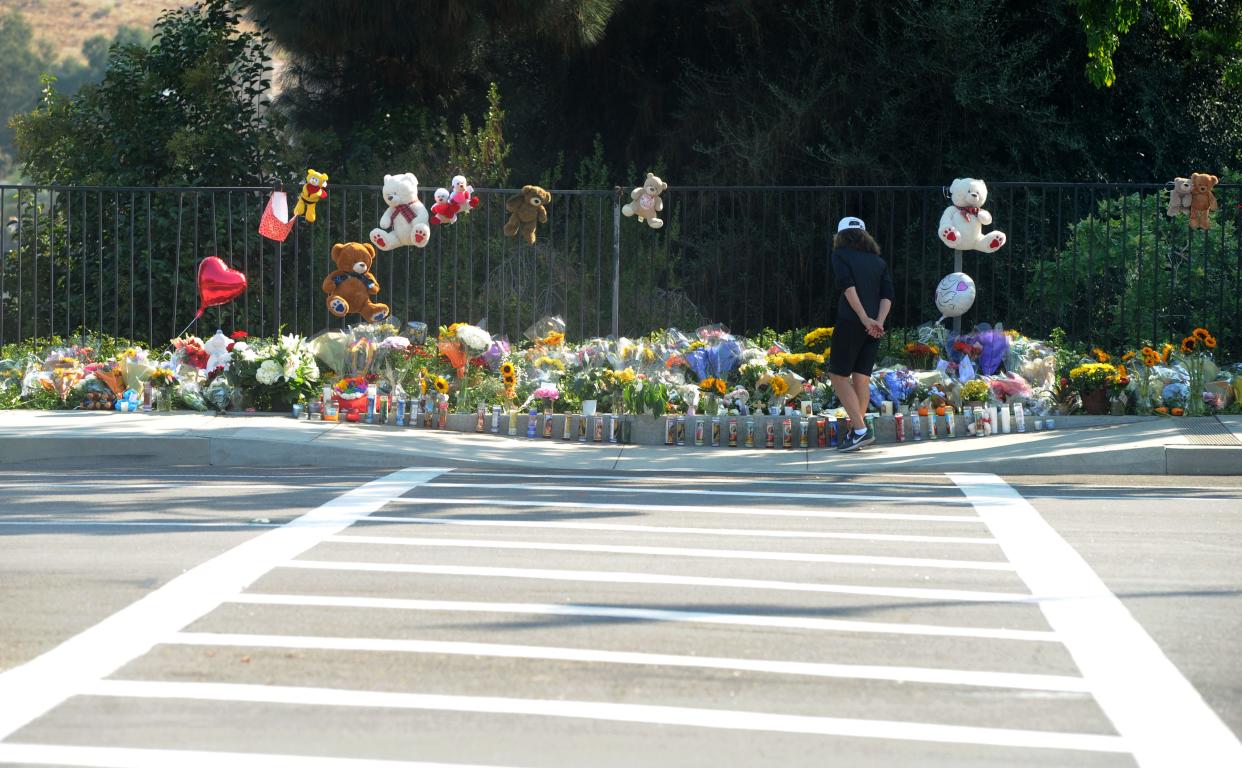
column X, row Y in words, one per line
column 487, row 618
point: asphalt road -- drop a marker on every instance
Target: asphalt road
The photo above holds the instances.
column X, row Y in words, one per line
column 429, row 616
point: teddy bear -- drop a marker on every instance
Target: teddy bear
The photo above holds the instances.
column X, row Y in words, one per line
column 218, row 350
column 1202, row 201
column 405, row 221
column 961, row 224
column 314, row 190
column 444, row 211
column 1179, row 196
column 525, row 209
column 646, row 201
column 351, row 285
column 463, row 195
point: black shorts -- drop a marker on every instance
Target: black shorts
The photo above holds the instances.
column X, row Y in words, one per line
column 853, row 350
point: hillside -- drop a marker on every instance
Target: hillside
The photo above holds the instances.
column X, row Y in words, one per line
column 66, row 24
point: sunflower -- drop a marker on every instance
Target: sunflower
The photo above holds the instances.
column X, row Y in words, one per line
column 1166, row 351
column 708, row 384
column 442, row 385
column 817, row 338
column 1150, row 356
column 779, row 386
column 554, row 339
column 1201, row 334
column 1189, row 345
column 721, row 387
column 508, row 373
column 1128, row 356
column 1210, row 342
column 1101, row 355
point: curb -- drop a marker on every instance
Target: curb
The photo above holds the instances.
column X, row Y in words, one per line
column 328, row 450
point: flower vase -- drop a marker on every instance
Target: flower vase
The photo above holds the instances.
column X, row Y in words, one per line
column 1095, row 402
column 1194, row 397
column 1142, row 395
column 163, row 401
column 588, row 407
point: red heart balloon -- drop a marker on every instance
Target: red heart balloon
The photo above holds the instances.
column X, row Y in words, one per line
column 217, row 283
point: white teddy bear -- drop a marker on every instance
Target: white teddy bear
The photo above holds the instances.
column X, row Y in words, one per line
column 217, row 347
column 961, row 224
column 405, row 221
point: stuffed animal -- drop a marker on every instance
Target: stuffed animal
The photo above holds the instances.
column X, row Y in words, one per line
column 961, row 224
column 405, row 221
column 525, row 209
column 314, row 190
column 351, row 286
column 463, row 195
column 444, row 211
column 1202, row 201
column 217, row 348
column 646, row 201
column 1179, row 196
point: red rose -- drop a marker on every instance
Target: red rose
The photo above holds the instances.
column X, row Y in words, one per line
column 239, row 335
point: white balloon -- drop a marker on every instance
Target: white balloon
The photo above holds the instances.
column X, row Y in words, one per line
column 955, row 294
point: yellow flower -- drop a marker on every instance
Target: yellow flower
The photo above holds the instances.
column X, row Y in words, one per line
column 1200, row 333
column 779, row 386
column 777, row 360
column 1189, row 345
column 696, row 344
column 649, row 355
column 1166, row 351
column 1127, row 356
column 707, row 384
column 554, row 339
column 721, row 387
column 1210, row 342
column 1101, row 355
column 817, row 338
column 442, row 385
column 625, row 376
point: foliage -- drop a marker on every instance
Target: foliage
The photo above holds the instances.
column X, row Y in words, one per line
column 1105, row 21
column 190, row 109
column 975, row 391
column 1128, row 270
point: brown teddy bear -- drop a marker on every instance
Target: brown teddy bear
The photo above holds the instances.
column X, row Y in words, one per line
column 525, row 209
column 646, row 203
column 1202, row 201
column 1179, row 196
column 351, row 286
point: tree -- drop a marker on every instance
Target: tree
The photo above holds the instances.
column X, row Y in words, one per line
column 1105, row 21
column 23, row 63
column 190, row 109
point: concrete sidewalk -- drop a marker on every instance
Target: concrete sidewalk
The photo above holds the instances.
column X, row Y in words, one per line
column 1080, row 446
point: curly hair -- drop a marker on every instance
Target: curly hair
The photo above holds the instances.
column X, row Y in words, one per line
column 856, row 240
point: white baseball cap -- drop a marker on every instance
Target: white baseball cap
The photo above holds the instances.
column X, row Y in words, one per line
column 851, row 222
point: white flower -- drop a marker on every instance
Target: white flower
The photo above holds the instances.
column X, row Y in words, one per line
column 395, row 342
column 269, row 372
column 291, row 343
column 291, row 366
column 473, row 337
column 754, row 355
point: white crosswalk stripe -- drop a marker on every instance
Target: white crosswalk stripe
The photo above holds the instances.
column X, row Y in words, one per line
column 937, row 615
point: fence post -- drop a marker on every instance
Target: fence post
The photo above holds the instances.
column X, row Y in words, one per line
column 616, row 263
column 957, row 267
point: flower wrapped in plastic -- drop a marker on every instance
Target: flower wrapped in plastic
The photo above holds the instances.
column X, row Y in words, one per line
column 899, row 384
column 496, row 352
column 738, row 398
column 1010, row 387
column 548, row 331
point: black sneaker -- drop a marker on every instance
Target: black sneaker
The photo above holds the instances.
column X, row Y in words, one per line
column 853, row 441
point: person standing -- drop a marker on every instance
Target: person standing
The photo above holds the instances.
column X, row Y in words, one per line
column 866, row 298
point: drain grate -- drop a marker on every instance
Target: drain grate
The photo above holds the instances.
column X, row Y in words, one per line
column 1206, row 431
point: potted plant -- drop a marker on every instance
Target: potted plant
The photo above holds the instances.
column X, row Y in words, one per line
column 1091, row 382
column 975, row 392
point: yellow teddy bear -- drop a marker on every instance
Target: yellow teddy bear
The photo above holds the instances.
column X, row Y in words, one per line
column 314, row 190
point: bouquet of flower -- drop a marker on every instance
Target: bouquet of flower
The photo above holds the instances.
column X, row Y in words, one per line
column 1196, row 354
column 921, row 356
column 818, row 340
column 899, row 384
column 275, row 373
column 975, row 391
column 547, row 331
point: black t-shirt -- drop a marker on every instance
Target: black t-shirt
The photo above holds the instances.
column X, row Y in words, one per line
column 869, row 275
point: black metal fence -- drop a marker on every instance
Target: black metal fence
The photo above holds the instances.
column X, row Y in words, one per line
column 1102, row 261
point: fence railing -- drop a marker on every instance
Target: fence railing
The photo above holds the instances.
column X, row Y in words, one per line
column 1103, row 261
